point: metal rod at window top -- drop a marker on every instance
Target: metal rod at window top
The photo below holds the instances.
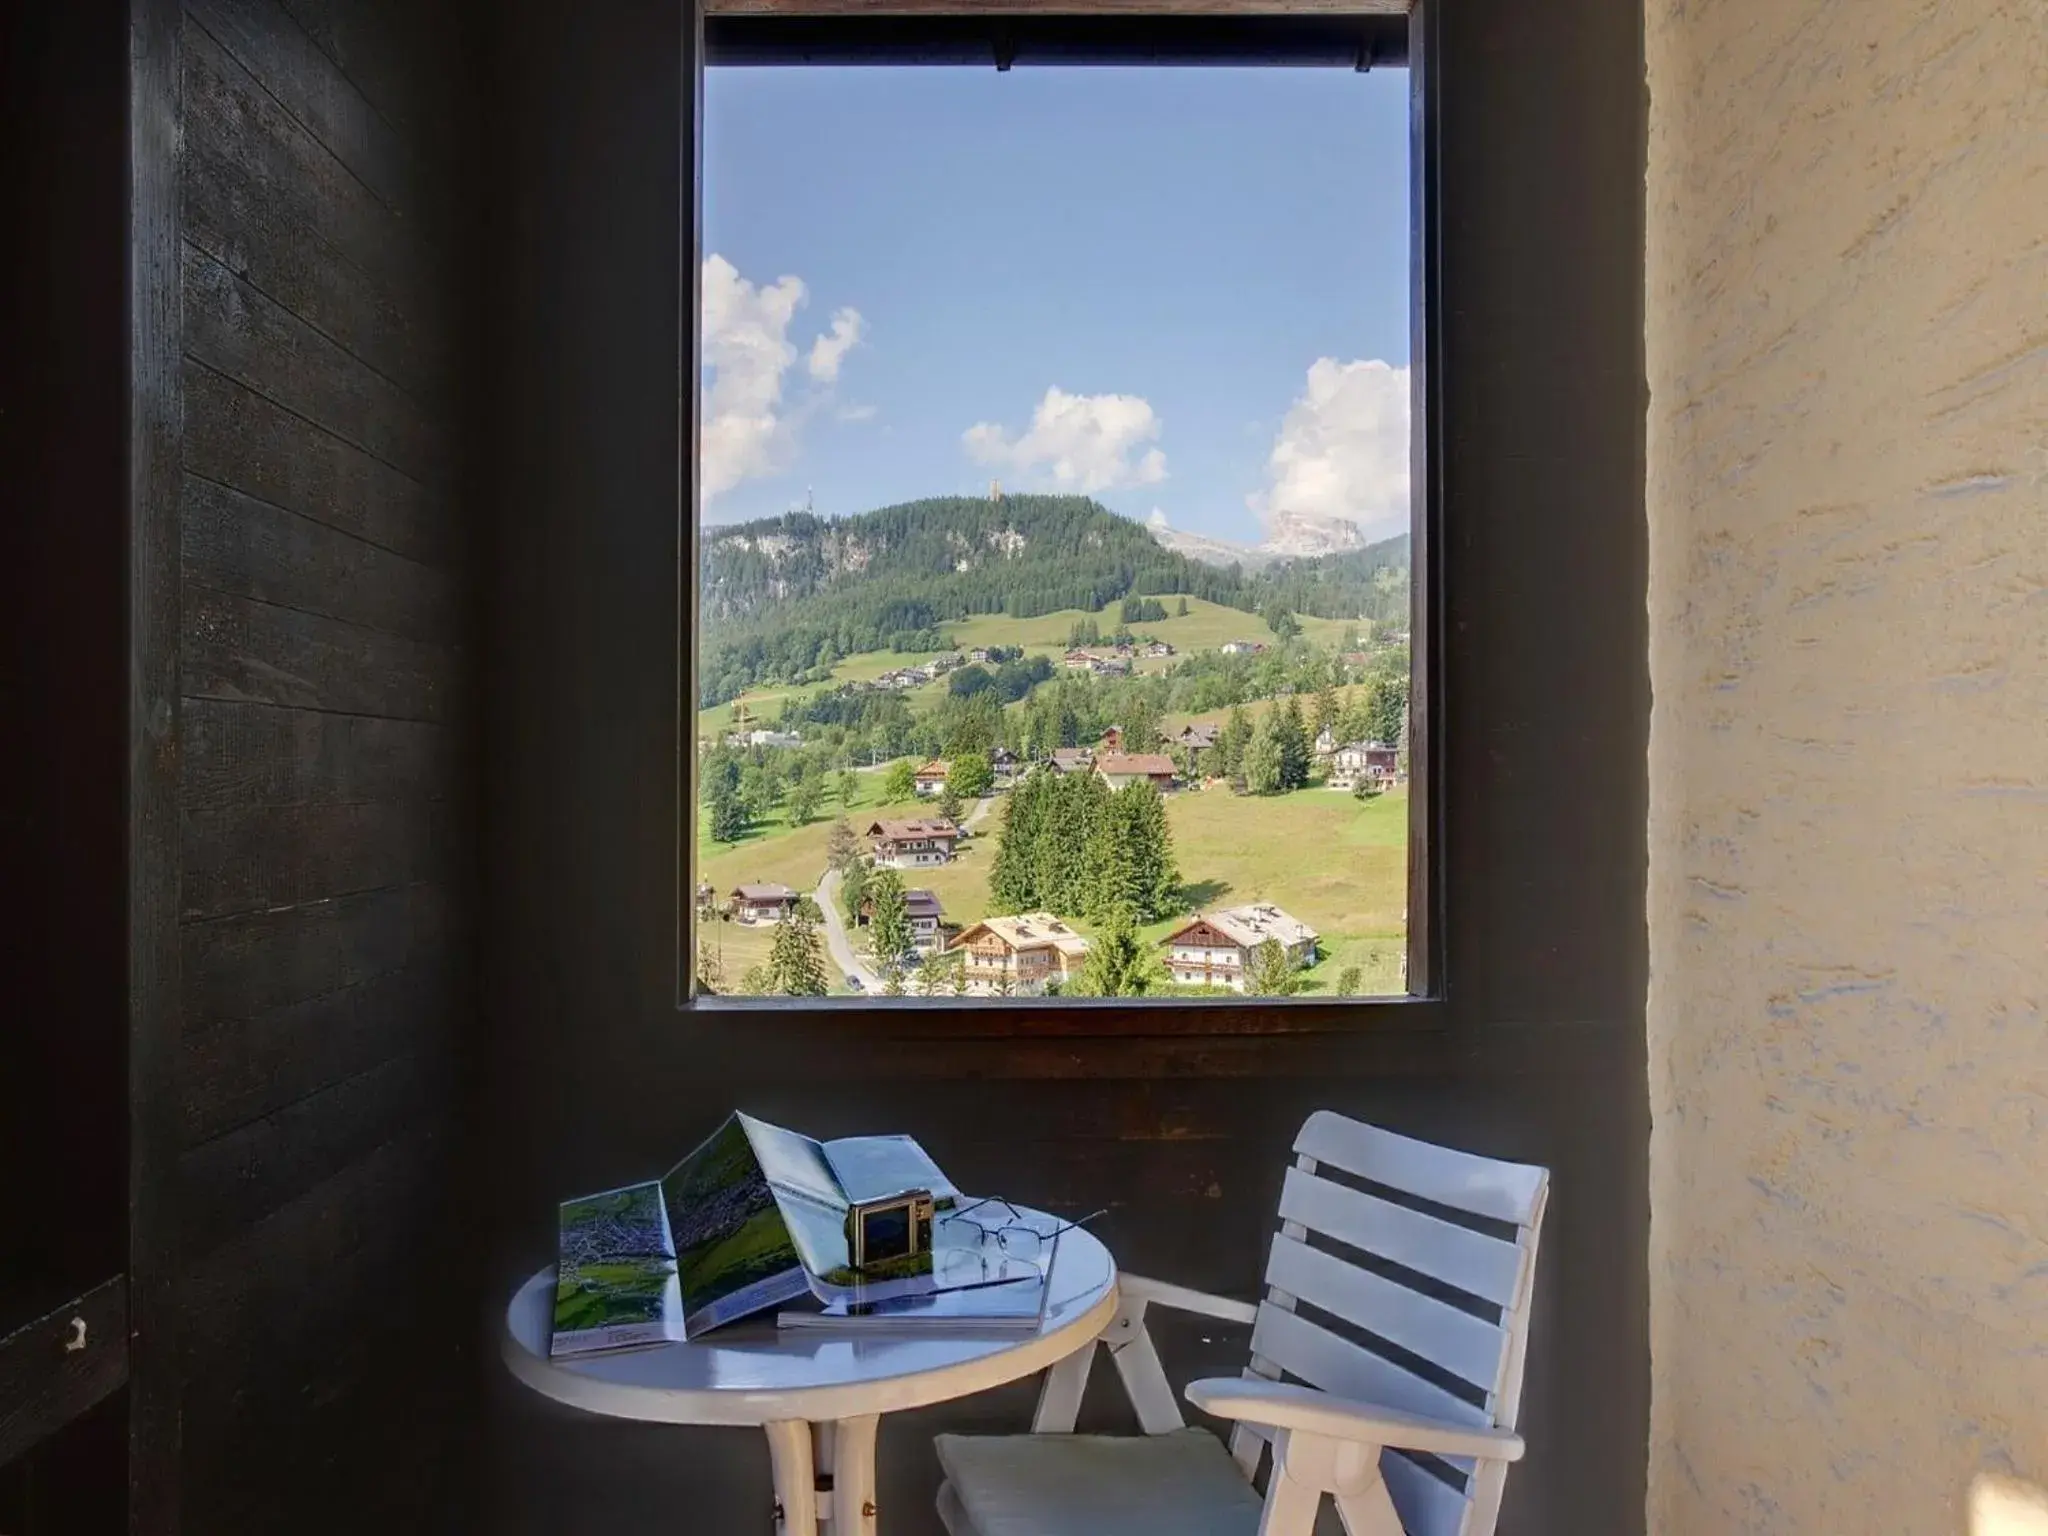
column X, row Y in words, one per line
column 1311, row 42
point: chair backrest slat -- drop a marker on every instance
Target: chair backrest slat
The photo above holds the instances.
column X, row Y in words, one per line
column 1427, row 1505
column 1370, row 1297
column 1460, row 1343
column 1471, row 1261
column 1313, row 1354
column 1481, row 1185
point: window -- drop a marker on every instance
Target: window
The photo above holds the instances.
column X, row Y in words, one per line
column 1058, row 626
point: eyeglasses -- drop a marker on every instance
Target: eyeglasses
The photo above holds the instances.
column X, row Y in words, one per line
column 1000, row 1224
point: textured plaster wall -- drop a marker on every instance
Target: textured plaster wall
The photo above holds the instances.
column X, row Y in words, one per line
column 1847, row 346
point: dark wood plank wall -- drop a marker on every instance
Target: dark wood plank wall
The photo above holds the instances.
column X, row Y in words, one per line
column 593, row 1076
column 323, row 867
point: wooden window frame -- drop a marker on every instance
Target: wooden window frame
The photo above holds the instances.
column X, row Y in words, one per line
column 1207, row 1037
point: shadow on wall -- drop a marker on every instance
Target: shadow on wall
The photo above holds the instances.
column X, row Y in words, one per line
column 2005, row 1506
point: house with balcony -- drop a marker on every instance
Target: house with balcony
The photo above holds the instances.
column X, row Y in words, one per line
column 1370, row 760
column 927, row 919
column 1020, row 955
column 763, row 903
column 1215, row 948
column 930, row 780
column 917, row 843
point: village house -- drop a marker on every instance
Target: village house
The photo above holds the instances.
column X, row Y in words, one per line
column 1326, row 743
column 1371, row 760
column 1158, row 648
column 915, row 844
column 1198, row 738
column 927, row 919
column 1003, row 762
column 1241, row 647
column 1072, row 759
column 1213, row 948
column 979, row 653
column 1120, row 768
column 1100, row 665
column 765, row 739
column 1019, row 955
column 762, row 903
column 931, row 778
column 1112, row 739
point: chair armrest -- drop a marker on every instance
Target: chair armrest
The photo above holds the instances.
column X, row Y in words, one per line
column 1162, row 1294
column 1282, row 1405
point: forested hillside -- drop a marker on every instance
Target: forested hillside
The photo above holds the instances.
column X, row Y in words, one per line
column 784, row 598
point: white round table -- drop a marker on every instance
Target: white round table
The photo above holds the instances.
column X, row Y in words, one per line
column 817, row 1394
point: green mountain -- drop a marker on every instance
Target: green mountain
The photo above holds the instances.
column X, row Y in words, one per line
column 782, row 598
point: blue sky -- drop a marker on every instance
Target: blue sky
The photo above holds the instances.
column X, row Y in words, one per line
column 1208, row 266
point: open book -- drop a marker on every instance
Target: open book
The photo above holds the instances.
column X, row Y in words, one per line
column 754, row 1217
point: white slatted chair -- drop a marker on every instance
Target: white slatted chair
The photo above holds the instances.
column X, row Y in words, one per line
column 1353, row 1364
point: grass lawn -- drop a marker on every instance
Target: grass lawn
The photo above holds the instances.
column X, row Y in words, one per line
column 775, row 852
column 1207, row 626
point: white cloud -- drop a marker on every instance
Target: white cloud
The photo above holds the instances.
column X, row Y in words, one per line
column 747, row 431
column 858, row 412
column 1158, row 519
column 1085, row 443
column 1342, row 450
column 830, row 349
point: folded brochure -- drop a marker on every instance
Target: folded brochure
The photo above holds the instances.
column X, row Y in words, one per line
column 754, row 1217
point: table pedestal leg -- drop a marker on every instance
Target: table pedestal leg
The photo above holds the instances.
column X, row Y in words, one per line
column 853, row 1475
column 796, row 1483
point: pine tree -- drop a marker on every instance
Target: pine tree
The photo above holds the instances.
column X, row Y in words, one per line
column 1130, row 861
column 1293, row 740
column 1181, row 609
column 1013, row 876
column 1231, row 743
column 1269, row 972
column 796, row 960
column 1326, row 709
column 1119, row 964
column 889, row 928
column 1263, row 759
column 1348, row 982
column 949, row 802
column 1073, row 811
column 1386, row 703
column 849, row 787
column 853, row 888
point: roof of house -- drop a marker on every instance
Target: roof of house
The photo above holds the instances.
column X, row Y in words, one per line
column 937, row 768
column 764, row 893
column 917, row 903
column 1250, row 926
column 1029, row 930
column 1200, row 734
column 1066, row 759
column 1150, row 764
column 923, row 826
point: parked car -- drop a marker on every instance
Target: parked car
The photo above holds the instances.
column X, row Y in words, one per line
column 852, row 982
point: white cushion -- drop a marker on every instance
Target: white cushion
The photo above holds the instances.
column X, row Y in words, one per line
column 1178, row 1484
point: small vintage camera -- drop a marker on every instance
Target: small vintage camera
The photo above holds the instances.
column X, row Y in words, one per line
column 895, row 1231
